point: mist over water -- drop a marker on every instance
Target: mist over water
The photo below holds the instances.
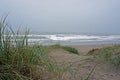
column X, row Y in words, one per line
column 73, row 39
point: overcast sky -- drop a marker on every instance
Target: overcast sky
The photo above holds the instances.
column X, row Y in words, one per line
column 68, row 16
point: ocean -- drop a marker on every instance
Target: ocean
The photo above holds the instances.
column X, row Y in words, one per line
column 72, row 39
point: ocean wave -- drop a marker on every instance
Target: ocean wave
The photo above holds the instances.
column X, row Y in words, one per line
column 63, row 37
column 73, row 39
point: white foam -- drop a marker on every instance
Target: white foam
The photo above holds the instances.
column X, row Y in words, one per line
column 72, row 38
column 75, row 37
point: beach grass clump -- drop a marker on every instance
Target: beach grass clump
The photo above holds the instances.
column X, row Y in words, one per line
column 104, row 53
column 115, row 59
column 66, row 48
column 17, row 59
column 20, row 61
column 70, row 49
column 109, row 54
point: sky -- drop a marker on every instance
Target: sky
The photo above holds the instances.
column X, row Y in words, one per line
column 63, row 16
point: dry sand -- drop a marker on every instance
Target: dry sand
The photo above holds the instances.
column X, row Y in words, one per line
column 82, row 64
column 83, row 49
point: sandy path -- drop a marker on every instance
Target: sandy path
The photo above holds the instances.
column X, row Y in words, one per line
column 82, row 64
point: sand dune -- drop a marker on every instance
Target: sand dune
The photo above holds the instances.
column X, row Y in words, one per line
column 82, row 64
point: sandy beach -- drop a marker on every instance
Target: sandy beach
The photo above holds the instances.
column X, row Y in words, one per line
column 82, row 64
column 83, row 49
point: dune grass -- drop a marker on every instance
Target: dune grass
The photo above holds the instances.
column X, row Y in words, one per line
column 66, row 48
column 19, row 61
column 71, row 50
column 16, row 57
column 109, row 55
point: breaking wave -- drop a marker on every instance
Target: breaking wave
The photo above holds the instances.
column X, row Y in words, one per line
column 62, row 37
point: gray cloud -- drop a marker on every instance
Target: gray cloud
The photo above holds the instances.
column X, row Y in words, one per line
column 80, row 16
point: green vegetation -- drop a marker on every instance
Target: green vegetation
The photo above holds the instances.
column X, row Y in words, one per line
column 109, row 54
column 70, row 49
column 66, row 48
column 115, row 59
column 19, row 61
